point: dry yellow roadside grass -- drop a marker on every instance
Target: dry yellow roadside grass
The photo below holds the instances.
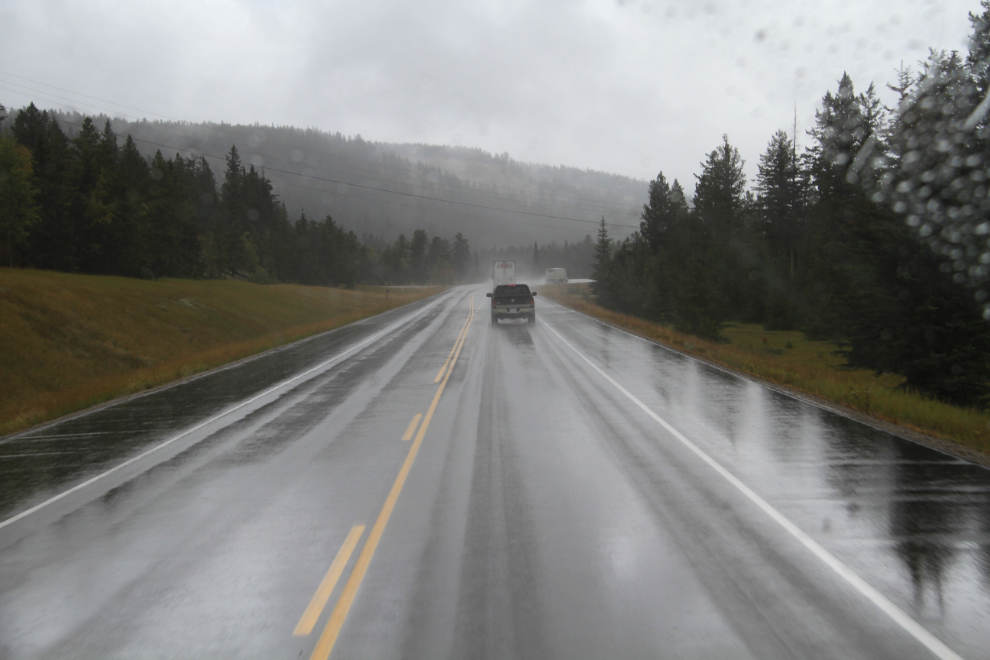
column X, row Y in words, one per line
column 791, row 360
column 71, row 341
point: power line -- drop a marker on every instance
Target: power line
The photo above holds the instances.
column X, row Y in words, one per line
column 95, row 98
column 364, row 186
column 598, row 205
column 386, row 190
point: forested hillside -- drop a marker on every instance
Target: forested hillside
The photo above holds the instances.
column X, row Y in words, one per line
column 876, row 235
column 152, row 199
column 85, row 200
column 380, row 189
column 88, row 204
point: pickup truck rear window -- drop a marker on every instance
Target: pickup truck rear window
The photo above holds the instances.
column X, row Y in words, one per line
column 511, row 290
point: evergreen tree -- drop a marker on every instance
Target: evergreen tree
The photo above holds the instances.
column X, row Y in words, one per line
column 720, row 192
column 261, row 226
column 873, row 111
column 90, row 202
column 601, row 274
column 838, row 135
column 978, row 59
column 780, row 198
column 663, row 209
column 721, row 205
column 780, row 203
column 905, row 81
column 628, row 278
column 306, row 248
column 400, row 260
column 171, row 222
column 233, row 214
column 937, row 176
column 439, row 264
column 461, row 256
column 130, row 247
column 18, row 210
column 417, row 256
column 838, row 206
column 108, row 149
column 906, row 316
column 52, row 241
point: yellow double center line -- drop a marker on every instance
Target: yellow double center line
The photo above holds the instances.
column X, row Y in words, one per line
column 329, row 637
column 457, row 344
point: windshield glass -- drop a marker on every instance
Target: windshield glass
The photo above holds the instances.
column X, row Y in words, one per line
column 791, row 197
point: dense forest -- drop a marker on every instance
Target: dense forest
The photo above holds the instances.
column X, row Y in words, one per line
column 92, row 203
column 88, row 204
column 103, row 208
column 876, row 235
column 380, row 190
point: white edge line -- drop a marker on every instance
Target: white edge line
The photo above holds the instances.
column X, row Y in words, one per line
column 932, row 643
column 130, row 461
column 795, row 394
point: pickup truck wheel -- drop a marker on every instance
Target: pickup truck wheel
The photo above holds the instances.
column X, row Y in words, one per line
column 494, row 320
column 532, row 318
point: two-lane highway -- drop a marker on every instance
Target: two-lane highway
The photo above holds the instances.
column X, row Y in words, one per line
column 428, row 485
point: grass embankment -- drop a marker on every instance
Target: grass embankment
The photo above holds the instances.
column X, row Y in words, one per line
column 72, row 341
column 791, row 360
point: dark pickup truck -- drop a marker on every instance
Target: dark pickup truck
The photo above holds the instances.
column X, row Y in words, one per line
column 512, row 301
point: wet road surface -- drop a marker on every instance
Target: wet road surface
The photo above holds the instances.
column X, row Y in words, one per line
column 425, row 484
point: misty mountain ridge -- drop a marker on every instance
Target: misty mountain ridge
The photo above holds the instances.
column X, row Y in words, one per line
column 380, row 189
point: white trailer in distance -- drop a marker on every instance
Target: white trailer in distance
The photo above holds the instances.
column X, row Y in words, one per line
column 504, row 272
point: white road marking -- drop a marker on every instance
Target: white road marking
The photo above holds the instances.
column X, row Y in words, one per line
column 375, row 337
column 913, row 628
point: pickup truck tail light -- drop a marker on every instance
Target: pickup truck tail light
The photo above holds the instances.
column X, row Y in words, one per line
column 531, row 301
column 493, row 302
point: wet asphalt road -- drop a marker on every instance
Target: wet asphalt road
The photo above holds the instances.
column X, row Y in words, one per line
column 567, row 491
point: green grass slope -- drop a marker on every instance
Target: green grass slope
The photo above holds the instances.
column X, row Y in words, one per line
column 70, row 341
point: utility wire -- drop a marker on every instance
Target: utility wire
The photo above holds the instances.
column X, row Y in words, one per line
column 356, row 185
column 598, row 205
column 489, row 218
column 385, row 190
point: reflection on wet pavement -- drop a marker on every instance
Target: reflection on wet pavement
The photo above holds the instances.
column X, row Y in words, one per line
column 39, row 463
column 911, row 520
column 542, row 499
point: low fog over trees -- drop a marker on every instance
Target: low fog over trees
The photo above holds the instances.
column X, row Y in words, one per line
column 160, row 202
column 382, row 189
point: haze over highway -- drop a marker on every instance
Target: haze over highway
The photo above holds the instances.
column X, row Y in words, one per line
column 425, row 484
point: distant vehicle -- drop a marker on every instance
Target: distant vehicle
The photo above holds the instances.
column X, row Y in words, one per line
column 504, row 272
column 556, row 276
column 513, row 301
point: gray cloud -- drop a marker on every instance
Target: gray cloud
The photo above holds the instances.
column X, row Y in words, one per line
column 630, row 87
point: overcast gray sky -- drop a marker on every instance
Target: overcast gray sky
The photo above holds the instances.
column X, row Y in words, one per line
column 631, row 87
